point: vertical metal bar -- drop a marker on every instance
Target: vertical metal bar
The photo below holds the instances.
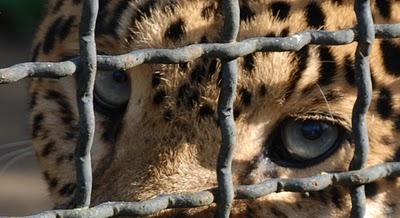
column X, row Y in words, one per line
column 86, row 79
column 225, row 111
column 366, row 36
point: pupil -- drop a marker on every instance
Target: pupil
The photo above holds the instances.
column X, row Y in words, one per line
column 312, row 130
column 120, row 76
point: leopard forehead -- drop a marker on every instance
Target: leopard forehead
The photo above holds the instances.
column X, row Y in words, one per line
column 167, row 138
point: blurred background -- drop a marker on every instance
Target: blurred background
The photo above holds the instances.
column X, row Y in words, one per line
column 22, row 190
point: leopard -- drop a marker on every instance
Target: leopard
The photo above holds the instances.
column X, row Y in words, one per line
column 157, row 129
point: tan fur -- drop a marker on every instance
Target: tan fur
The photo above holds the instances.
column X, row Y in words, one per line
column 154, row 156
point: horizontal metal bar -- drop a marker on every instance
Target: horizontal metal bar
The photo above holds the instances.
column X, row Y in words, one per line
column 314, row 183
column 191, row 52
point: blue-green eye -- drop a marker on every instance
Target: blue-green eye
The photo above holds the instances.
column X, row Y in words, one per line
column 302, row 143
column 112, row 90
column 308, row 139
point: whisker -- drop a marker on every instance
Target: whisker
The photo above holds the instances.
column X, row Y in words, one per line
column 326, row 100
column 16, row 144
column 14, row 153
column 14, row 160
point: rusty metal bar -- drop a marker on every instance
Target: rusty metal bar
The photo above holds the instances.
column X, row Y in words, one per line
column 85, row 80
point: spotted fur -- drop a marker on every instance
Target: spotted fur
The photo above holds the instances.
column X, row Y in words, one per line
column 166, row 140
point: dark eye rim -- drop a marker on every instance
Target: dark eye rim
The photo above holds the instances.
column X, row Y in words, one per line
column 278, row 154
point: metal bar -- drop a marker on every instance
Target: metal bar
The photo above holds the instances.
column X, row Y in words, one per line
column 205, row 198
column 225, row 111
column 86, row 78
column 188, row 53
column 366, row 36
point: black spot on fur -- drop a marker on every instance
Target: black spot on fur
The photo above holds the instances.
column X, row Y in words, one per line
column 371, row 189
column 65, row 107
column 314, row 15
column 35, row 52
column 333, row 95
column 206, row 110
column 278, row 213
column 397, row 123
column 204, row 39
column 349, row 70
column 396, row 156
column 37, row 124
column 391, row 54
column 67, row 190
column 384, row 104
column 58, row 5
column 101, row 25
column 328, row 66
column 263, row 90
column 144, row 10
column 384, row 8
column 387, row 140
column 68, row 158
column 184, row 66
column 302, row 57
column 280, row 9
column 77, row 1
column 51, row 182
column 65, row 28
column 337, row 198
column 112, row 126
column 53, row 95
column 187, row 96
column 285, row 32
column 33, row 100
column 321, row 196
column 339, row 2
column 246, row 13
column 237, row 112
column 48, row 149
column 168, row 115
column 198, row 74
column 248, row 62
column 70, row 136
column 156, row 79
column 119, row 10
column 212, row 68
column 246, row 97
column 270, row 34
column 159, row 97
column 50, row 38
column 176, row 31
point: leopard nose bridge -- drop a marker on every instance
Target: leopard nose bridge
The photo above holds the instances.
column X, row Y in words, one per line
column 227, row 51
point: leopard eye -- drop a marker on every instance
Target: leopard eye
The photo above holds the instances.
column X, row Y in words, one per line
column 112, row 90
column 308, row 139
column 301, row 143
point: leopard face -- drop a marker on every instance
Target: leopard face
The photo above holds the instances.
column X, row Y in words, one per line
column 156, row 125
